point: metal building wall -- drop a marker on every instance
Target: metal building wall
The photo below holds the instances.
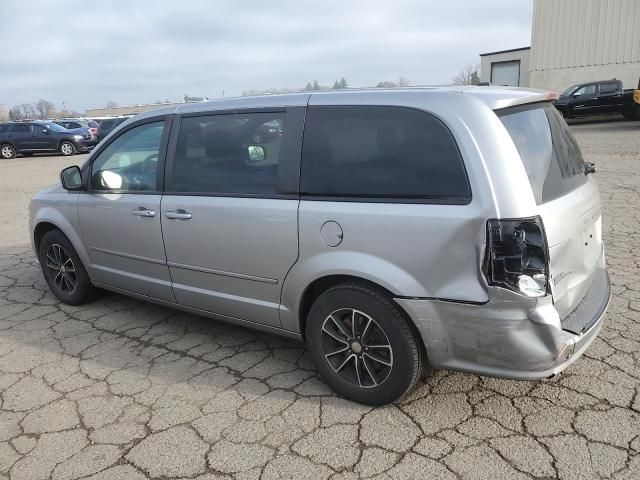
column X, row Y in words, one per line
column 577, row 41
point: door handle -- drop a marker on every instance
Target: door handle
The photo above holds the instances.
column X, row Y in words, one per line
column 144, row 212
column 179, row 214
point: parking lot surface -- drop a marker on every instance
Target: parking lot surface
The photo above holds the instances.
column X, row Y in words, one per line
column 121, row 389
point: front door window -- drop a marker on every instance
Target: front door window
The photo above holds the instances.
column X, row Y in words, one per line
column 130, row 162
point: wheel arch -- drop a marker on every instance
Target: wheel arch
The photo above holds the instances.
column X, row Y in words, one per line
column 47, row 219
column 7, row 142
column 62, row 140
column 40, row 230
column 322, row 284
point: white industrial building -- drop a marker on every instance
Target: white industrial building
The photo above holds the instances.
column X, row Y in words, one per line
column 572, row 41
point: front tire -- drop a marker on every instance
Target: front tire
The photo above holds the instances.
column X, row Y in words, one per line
column 67, row 148
column 63, row 270
column 7, row 151
column 363, row 344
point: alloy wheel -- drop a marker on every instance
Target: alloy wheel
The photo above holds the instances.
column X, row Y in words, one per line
column 7, row 151
column 62, row 269
column 356, row 348
column 66, row 149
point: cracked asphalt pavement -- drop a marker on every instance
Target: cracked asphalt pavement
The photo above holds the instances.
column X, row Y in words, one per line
column 122, row 389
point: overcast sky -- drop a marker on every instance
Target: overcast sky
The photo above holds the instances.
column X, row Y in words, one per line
column 85, row 53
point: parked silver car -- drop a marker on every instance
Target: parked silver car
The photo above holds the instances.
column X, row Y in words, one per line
column 457, row 228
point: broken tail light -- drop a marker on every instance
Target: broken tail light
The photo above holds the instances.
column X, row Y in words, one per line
column 517, row 256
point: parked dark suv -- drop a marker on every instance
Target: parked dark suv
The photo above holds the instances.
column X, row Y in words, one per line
column 28, row 138
column 108, row 124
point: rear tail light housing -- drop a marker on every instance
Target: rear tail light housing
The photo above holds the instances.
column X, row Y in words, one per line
column 518, row 256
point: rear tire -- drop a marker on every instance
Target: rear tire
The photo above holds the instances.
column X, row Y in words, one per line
column 63, row 270
column 376, row 362
column 67, row 148
column 7, row 151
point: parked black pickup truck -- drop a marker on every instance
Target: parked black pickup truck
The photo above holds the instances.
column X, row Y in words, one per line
column 598, row 98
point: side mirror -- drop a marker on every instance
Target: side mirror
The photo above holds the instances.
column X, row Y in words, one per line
column 577, row 94
column 256, row 153
column 45, row 130
column 71, row 178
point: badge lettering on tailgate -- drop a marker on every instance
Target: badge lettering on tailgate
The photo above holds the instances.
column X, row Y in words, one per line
column 589, row 218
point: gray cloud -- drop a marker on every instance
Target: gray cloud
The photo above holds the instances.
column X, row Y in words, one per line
column 85, row 53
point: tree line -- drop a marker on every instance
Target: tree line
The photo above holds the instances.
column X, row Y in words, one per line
column 315, row 86
column 42, row 109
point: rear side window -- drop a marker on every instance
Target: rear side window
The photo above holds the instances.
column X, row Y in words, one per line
column 550, row 154
column 20, row 128
column 608, row 87
column 229, row 154
column 381, row 152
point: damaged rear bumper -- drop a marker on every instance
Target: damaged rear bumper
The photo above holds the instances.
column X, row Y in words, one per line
column 510, row 336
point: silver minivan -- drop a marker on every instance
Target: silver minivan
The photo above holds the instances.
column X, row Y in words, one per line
column 454, row 228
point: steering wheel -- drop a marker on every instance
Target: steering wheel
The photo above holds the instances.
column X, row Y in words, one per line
column 143, row 172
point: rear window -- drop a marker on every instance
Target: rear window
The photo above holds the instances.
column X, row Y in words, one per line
column 550, row 154
column 381, row 152
column 20, row 128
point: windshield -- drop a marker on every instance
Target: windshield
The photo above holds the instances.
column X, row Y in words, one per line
column 55, row 127
column 569, row 90
column 549, row 152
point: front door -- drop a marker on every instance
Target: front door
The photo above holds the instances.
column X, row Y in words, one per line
column 120, row 213
column 582, row 101
column 230, row 227
column 42, row 138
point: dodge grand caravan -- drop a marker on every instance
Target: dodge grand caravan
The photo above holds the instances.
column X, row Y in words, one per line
column 457, row 228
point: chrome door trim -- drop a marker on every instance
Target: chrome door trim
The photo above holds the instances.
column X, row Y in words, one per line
column 223, row 273
column 128, row 255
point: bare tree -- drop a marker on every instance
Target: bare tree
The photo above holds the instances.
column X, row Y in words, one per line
column 386, row 84
column 15, row 114
column 111, row 104
column 45, row 108
column 402, row 82
column 467, row 76
column 27, row 110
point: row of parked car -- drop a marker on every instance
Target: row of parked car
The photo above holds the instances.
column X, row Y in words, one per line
column 66, row 136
